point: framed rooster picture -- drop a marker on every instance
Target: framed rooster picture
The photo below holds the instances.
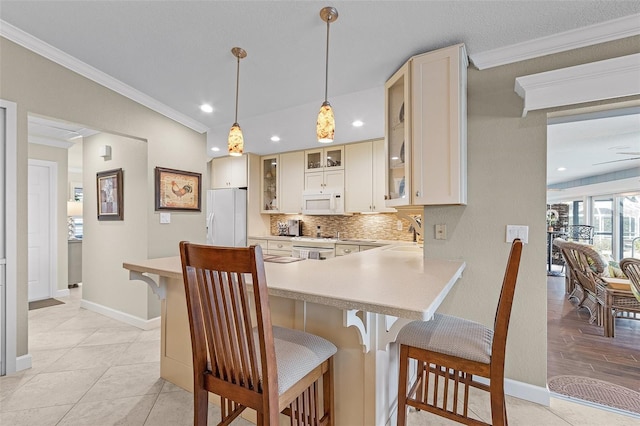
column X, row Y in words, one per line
column 178, row 190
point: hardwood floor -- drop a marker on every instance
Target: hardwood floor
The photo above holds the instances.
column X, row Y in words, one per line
column 575, row 347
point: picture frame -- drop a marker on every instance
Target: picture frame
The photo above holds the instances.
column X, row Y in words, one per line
column 110, row 186
column 178, row 190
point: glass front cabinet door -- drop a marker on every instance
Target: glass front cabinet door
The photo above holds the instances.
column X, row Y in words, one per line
column 269, row 169
column 322, row 159
column 398, row 138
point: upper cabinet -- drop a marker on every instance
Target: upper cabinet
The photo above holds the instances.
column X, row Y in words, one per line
column 425, row 126
column 291, row 181
column 364, row 177
column 324, row 168
column 322, row 159
column 229, row 172
column 270, row 183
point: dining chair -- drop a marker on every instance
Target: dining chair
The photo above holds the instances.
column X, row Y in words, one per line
column 249, row 363
column 456, row 349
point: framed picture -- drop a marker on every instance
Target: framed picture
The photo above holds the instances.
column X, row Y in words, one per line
column 178, row 190
column 110, row 195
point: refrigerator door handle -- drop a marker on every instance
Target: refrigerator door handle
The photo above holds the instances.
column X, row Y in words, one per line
column 210, row 228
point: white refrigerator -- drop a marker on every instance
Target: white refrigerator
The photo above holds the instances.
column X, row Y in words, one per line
column 227, row 217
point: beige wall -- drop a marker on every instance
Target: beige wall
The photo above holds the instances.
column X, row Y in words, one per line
column 59, row 156
column 41, row 87
column 506, row 185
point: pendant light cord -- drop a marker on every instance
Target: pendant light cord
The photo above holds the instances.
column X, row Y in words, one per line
column 237, row 88
column 326, row 72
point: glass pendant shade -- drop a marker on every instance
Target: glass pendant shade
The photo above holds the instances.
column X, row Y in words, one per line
column 236, row 141
column 326, row 125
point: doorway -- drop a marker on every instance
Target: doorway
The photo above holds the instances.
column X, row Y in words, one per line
column 42, row 235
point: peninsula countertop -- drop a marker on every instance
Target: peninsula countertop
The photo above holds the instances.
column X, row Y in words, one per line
column 393, row 280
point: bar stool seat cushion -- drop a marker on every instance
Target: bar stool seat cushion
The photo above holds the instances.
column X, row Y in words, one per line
column 298, row 353
column 451, row 336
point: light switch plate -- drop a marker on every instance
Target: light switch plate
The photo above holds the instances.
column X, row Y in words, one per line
column 399, row 225
column 165, row 217
column 517, row 231
column 441, row 232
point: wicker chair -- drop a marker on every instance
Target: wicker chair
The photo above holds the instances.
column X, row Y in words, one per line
column 580, row 233
column 631, row 268
column 585, row 267
column 249, row 364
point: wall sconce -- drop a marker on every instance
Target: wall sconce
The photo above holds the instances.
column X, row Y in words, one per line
column 105, row 151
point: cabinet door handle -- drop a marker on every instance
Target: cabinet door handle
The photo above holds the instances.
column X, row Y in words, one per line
column 279, row 245
column 417, row 193
column 347, row 251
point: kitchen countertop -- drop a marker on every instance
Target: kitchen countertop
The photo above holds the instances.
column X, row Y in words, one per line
column 347, row 241
column 393, row 280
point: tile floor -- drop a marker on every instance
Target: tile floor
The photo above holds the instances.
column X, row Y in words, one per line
column 91, row 370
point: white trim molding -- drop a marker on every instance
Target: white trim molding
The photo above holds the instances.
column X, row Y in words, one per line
column 121, row 316
column 56, row 55
column 608, row 79
column 528, row 392
column 614, row 29
column 23, row 362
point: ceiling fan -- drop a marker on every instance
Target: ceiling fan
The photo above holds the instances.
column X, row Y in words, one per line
column 636, row 156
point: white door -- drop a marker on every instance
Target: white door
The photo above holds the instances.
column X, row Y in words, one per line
column 40, row 212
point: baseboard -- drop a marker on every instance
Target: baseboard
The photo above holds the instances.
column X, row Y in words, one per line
column 537, row 394
column 121, row 316
column 62, row 293
column 23, row 362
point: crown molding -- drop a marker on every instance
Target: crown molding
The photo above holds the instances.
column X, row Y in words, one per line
column 608, row 79
column 56, row 143
column 56, row 55
column 580, row 37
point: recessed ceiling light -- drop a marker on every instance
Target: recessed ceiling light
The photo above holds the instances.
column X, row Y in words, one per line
column 215, row 148
column 562, row 169
column 206, row 108
column 357, row 123
column 275, row 138
column 394, row 158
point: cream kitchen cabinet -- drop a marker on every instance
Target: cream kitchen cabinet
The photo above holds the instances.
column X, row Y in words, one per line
column 345, row 249
column 324, row 181
column 291, row 181
column 425, row 128
column 270, row 183
column 279, row 247
column 365, row 177
column 262, row 242
column 324, row 158
column 229, row 172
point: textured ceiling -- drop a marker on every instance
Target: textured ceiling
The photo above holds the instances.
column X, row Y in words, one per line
column 178, row 52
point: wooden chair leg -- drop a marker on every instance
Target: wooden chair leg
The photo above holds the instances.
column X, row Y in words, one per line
column 201, row 407
column 402, row 385
column 498, row 406
column 327, row 393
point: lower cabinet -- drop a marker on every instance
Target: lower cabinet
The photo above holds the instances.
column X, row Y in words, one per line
column 345, row 249
column 74, row 262
column 279, row 247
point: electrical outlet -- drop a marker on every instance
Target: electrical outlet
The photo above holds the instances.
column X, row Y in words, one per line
column 517, row 231
column 165, row 217
column 441, row 231
column 399, row 225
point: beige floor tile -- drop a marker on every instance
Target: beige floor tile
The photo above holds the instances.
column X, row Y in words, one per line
column 107, row 336
column 131, row 411
column 140, row 352
column 11, row 382
column 176, row 409
column 149, row 335
column 583, row 415
column 82, row 357
column 41, row 359
column 46, row 416
column 170, row 387
column 49, row 389
column 87, row 319
column 58, row 339
column 125, row 381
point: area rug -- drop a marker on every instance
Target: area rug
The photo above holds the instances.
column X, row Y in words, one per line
column 45, row 303
column 597, row 391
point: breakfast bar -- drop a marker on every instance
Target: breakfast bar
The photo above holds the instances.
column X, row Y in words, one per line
column 359, row 302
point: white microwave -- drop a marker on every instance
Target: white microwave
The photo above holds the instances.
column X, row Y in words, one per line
column 319, row 202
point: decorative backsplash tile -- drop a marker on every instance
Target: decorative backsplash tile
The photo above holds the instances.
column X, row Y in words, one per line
column 371, row 226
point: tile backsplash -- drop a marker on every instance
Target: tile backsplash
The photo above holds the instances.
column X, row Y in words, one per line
column 371, row 226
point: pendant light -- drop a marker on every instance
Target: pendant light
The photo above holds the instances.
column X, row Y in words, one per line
column 235, row 142
column 326, row 125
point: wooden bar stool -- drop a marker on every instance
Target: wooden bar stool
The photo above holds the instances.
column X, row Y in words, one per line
column 269, row 369
column 455, row 350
